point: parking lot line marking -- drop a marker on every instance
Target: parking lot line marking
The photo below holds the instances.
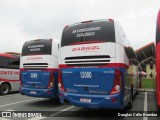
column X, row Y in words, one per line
column 145, row 105
column 36, row 118
column 62, row 111
column 40, row 118
column 4, row 119
column 9, row 110
column 20, row 102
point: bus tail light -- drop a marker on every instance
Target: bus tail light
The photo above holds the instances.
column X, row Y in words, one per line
column 20, row 78
column 51, row 81
column 114, row 100
column 20, row 82
column 60, row 82
column 66, row 26
column 111, row 20
column 117, row 85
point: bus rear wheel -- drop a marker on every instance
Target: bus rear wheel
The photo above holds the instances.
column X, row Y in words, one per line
column 4, row 89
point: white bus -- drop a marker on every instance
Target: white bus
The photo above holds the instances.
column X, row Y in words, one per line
column 39, row 68
column 9, row 72
column 97, row 67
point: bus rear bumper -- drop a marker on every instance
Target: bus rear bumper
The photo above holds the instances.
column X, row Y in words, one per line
column 93, row 101
column 44, row 93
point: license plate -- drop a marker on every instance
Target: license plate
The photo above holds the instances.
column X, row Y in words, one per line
column 33, row 75
column 33, row 92
column 86, row 100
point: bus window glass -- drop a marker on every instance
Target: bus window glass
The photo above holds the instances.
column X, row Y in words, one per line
column 4, row 62
column 92, row 31
column 37, row 47
column 14, row 62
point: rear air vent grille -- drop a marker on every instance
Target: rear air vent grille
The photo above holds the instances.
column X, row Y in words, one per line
column 87, row 60
column 35, row 65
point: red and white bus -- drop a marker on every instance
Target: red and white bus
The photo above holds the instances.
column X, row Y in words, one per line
column 158, row 61
column 9, row 72
column 97, row 66
column 39, row 68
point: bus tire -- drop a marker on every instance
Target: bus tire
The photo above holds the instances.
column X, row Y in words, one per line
column 5, row 89
column 130, row 104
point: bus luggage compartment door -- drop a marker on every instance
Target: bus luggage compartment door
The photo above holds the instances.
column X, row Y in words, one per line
column 35, row 79
column 93, row 81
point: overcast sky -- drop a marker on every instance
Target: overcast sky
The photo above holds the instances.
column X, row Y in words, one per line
column 23, row 20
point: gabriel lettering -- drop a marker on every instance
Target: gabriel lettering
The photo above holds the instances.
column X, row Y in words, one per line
column 91, row 48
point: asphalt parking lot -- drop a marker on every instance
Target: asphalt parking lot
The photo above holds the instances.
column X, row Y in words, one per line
column 51, row 108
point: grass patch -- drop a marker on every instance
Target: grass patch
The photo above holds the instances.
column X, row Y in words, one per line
column 147, row 83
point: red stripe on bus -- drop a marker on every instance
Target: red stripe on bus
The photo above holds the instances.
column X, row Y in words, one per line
column 7, row 80
column 7, row 55
column 120, row 65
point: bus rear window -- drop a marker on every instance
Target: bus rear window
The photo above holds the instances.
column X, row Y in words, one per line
column 37, row 47
column 91, row 31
